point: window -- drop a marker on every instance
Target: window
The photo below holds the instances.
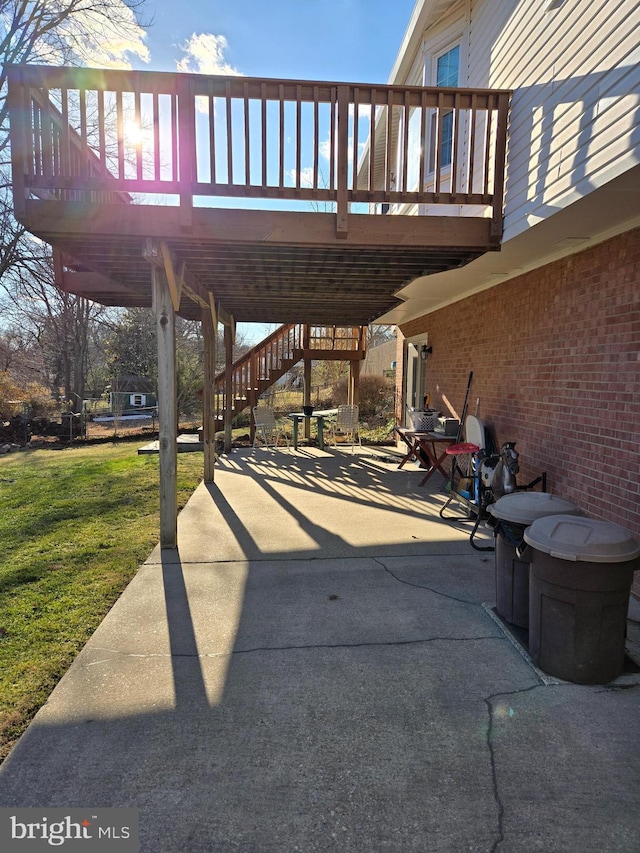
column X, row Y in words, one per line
column 447, row 73
column 137, row 399
column 440, row 64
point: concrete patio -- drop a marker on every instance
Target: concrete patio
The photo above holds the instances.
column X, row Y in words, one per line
column 313, row 669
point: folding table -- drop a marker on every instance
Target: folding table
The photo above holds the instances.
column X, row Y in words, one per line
column 422, row 447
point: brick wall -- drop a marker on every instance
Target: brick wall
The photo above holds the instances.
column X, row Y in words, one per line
column 555, row 356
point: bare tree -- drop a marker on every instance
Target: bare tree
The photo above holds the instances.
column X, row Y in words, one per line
column 57, row 324
column 72, row 32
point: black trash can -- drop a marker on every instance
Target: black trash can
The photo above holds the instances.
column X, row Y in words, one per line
column 513, row 514
column 580, row 583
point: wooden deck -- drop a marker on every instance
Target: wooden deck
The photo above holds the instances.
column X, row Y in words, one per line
column 119, row 171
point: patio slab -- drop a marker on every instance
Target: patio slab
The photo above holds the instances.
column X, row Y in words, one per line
column 318, row 679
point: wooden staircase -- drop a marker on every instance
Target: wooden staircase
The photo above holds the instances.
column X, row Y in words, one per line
column 259, row 368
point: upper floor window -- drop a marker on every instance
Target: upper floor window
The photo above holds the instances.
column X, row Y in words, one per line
column 447, row 73
column 441, row 64
column 448, row 67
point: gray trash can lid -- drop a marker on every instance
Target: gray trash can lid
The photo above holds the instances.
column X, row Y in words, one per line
column 574, row 537
column 525, row 507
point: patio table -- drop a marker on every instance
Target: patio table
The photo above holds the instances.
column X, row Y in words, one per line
column 320, row 416
column 422, row 447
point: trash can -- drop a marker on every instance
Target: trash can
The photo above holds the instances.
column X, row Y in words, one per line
column 580, row 583
column 513, row 514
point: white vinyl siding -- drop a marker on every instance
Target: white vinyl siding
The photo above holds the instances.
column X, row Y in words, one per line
column 575, row 72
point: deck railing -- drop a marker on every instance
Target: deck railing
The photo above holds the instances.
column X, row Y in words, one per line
column 331, row 144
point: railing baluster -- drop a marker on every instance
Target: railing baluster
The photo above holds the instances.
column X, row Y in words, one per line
column 47, row 135
column 229, row 134
column 212, row 137
column 439, row 122
column 423, row 140
column 389, row 144
column 487, row 146
column 102, row 142
column 298, row 136
column 174, row 137
column 247, row 140
column 156, row 136
column 84, row 159
column 405, row 144
column 263, row 102
column 472, row 141
column 332, row 139
column 281, row 137
column 316, row 138
column 36, row 113
column 138, row 121
column 455, row 141
column 372, row 142
column 120, row 126
column 356, row 118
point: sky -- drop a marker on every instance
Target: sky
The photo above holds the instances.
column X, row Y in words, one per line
column 342, row 40
column 339, row 40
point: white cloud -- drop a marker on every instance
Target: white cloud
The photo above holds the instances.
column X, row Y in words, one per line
column 306, row 176
column 106, row 35
column 205, row 54
column 364, row 111
column 325, row 149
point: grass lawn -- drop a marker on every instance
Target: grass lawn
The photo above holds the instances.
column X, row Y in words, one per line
column 74, row 526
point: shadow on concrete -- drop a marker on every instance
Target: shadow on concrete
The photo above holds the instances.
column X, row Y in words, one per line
column 356, row 701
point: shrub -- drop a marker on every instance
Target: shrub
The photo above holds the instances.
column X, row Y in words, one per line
column 14, row 398
column 376, row 396
column 9, row 394
column 39, row 400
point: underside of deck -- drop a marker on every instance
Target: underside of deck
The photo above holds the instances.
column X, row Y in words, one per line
column 262, row 266
column 124, row 171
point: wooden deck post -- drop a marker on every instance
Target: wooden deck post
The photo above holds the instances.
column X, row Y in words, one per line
column 354, row 383
column 342, row 200
column 307, row 396
column 167, row 408
column 208, row 408
column 19, row 107
column 228, row 386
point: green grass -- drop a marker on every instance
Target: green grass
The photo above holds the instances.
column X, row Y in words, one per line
column 74, row 526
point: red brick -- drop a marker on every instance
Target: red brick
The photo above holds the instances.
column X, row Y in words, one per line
column 555, row 355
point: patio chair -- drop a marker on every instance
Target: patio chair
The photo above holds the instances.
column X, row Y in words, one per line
column 267, row 428
column 346, row 426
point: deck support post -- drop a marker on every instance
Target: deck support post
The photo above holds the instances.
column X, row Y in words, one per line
column 167, row 408
column 209, row 331
column 228, row 384
column 307, row 396
column 354, row 383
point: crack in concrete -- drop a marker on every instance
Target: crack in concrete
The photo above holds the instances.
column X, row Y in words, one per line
column 157, row 562
column 429, row 588
column 311, row 646
column 365, row 645
column 488, row 700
